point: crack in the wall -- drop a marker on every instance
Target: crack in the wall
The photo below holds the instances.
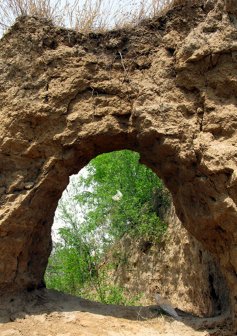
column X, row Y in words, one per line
column 17, row 267
column 200, row 112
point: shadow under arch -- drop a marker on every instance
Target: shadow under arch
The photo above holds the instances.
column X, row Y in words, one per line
column 48, row 302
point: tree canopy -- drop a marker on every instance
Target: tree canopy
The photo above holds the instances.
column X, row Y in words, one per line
column 122, row 195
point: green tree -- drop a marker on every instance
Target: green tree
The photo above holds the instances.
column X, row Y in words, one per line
column 135, row 210
column 116, row 196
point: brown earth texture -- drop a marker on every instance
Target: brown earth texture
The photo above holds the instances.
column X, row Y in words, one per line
column 165, row 88
column 50, row 313
column 177, row 267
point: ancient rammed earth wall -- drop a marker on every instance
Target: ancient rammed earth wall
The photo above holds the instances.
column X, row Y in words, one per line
column 177, row 267
column 166, row 88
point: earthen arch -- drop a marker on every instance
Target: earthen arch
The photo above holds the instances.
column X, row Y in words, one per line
column 165, row 88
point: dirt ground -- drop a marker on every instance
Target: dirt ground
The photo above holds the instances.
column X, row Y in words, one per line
column 51, row 313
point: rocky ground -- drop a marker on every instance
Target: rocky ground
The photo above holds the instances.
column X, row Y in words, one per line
column 50, row 313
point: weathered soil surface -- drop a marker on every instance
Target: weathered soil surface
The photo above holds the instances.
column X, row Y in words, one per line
column 177, row 267
column 165, row 88
column 50, row 313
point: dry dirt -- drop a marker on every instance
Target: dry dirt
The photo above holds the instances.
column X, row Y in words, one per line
column 178, row 267
column 50, row 313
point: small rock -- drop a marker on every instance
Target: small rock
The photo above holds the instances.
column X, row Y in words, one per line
column 29, row 185
column 18, row 316
column 70, row 318
column 40, row 318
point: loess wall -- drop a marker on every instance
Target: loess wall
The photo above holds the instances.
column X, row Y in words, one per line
column 177, row 267
column 166, row 88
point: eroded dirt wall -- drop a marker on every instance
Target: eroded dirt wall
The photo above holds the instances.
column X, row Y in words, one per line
column 165, row 88
column 177, row 267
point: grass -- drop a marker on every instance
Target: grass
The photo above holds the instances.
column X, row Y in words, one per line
column 83, row 15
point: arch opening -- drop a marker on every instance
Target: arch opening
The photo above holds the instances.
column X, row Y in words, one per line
column 109, row 247
column 120, row 199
